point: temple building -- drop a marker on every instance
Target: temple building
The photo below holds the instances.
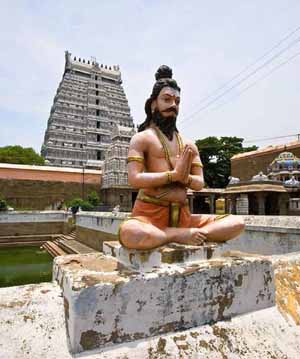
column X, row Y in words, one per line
column 268, row 182
column 285, row 168
column 89, row 101
column 115, row 189
column 246, row 165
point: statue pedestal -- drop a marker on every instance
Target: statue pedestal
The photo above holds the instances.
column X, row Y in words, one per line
column 146, row 261
column 107, row 302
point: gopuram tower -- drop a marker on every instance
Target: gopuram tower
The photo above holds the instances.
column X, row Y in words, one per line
column 89, row 101
column 115, row 188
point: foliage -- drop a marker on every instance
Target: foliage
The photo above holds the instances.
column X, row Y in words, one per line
column 3, row 204
column 94, row 199
column 79, row 202
column 215, row 154
column 20, row 155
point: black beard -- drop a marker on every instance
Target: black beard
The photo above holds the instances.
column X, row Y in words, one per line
column 167, row 125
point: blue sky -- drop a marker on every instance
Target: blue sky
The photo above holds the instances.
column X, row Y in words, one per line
column 206, row 44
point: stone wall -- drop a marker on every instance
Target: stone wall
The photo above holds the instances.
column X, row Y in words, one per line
column 266, row 240
column 33, row 223
column 118, row 196
column 94, row 228
column 46, row 173
column 44, row 187
column 40, row 195
column 273, row 221
column 266, row 235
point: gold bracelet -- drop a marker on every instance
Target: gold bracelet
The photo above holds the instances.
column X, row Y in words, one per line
column 169, row 177
column 189, row 181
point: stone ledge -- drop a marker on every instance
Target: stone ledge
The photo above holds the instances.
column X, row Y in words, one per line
column 106, row 303
column 145, row 261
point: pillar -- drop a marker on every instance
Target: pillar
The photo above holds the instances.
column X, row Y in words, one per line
column 261, row 197
column 231, row 204
column 212, row 203
column 283, row 199
column 242, row 204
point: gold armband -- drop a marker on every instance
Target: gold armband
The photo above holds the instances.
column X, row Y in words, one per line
column 169, row 177
column 135, row 159
column 197, row 164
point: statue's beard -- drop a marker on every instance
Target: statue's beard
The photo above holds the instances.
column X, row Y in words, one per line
column 166, row 124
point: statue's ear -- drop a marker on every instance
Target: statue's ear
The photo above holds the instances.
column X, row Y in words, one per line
column 153, row 106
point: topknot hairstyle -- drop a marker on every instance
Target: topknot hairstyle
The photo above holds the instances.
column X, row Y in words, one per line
column 163, row 72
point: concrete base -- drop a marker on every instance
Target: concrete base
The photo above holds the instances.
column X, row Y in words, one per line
column 107, row 303
column 146, row 261
column 32, row 326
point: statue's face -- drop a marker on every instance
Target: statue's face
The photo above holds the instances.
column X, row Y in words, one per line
column 167, row 102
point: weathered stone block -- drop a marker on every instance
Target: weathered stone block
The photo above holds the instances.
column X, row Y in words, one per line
column 106, row 303
column 145, row 261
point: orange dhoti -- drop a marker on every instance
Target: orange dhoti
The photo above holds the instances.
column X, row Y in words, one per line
column 163, row 214
column 169, row 214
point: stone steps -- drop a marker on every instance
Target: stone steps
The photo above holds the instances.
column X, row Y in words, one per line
column 21, row 244
column 68, row 237
column 74, row 247
column 67, row 244
column 19, row 240
column 53, row 249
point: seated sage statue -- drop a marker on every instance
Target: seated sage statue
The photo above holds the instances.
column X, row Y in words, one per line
column 163, row 165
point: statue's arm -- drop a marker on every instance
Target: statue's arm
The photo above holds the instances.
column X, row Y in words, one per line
column 137, row 178
column 195, row 180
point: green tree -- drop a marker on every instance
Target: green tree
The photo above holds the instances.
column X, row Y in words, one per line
column 215, row 154
column 79, row 202
column 93, row 198
column 20, row 155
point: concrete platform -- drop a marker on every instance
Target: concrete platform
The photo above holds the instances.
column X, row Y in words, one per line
column 32, row 326
column 107, row 303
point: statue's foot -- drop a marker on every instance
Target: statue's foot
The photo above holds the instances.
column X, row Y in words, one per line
column 189, row 236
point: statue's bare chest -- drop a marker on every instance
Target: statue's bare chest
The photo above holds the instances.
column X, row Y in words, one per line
column 162, row 154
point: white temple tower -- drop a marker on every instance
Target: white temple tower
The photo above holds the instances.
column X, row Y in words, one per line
column 89, row 101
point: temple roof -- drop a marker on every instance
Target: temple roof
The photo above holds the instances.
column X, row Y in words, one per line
column 245, row 187
column 286, row 161
column 269, row 149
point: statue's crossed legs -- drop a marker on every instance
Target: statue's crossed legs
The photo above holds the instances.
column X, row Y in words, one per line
column 152, row 226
